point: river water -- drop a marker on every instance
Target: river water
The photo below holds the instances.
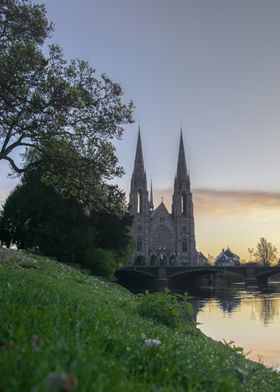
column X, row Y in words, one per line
column 249, row 317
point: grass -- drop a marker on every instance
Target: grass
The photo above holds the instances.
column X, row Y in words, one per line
column 61, row 330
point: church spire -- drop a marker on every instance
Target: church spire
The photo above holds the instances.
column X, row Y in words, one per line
column 139, row 161
column 182, row 173
column 151, row 197
column 139, row 175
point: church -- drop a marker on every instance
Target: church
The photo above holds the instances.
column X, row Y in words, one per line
column 162, row 238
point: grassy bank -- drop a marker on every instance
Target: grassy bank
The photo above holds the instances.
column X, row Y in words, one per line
column 61, row 330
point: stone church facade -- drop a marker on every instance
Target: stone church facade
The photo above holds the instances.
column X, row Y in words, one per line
column 162, row 237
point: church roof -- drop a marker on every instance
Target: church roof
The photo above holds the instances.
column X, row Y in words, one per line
column 160, row 210
column 161, row 217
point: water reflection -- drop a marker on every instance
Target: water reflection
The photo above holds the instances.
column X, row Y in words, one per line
column 268, row 308
column 228, row 305
column 248, row 316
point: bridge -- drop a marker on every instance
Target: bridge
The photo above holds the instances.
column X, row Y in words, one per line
column 158, row 278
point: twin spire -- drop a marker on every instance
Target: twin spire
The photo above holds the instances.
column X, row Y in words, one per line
column 139, row 174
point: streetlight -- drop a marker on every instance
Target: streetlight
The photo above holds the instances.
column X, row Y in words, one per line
column 250, row 250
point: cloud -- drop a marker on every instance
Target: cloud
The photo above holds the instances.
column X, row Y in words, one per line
column 227, row 203
column 232, row 202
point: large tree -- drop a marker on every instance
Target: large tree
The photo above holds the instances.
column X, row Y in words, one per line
column 44, row 99
column 35, row 217
column 266, row 252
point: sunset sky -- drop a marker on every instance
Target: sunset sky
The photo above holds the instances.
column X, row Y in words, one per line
column 213, row 65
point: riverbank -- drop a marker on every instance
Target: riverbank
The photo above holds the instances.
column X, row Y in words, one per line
column 62, row 330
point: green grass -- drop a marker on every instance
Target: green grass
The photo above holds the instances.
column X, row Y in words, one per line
column 61, row 330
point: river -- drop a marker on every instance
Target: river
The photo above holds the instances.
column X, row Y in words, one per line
column 249, row 317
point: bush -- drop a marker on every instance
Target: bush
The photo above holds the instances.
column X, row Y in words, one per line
column 101, row 262
column 165, row 308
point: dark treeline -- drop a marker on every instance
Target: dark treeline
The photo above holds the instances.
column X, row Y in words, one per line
column 36, row 218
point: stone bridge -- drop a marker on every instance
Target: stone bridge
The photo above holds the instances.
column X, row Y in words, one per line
column 157, row 278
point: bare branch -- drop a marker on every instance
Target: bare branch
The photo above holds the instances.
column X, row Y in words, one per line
column 12, row 146
column 14, row 166
column 6, row 141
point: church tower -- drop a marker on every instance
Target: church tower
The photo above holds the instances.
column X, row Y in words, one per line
column 161, row 237
column 182, row 211
column 139, row 204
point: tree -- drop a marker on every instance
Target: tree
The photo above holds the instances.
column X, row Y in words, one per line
column 44, row 99
column 35, row 217
column 266, row 252
column 74, row 176
column 112, row 232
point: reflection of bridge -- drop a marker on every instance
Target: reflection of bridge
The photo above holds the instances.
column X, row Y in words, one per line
column 138, row 278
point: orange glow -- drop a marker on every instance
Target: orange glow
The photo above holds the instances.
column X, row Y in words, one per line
column 237, row 219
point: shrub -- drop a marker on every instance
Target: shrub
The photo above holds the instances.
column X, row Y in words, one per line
column 165, row 308
column 101, row 262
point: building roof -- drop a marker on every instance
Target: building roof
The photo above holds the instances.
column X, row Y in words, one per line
column 160, row 210
column 226, row 255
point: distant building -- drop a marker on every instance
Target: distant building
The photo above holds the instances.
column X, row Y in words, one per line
column 201, row 259
column 227, row 259
column 161, row 237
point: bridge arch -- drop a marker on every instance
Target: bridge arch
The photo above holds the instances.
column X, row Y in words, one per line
column 198, row 277
column 136, row 280
column 133, row 271
column 204, row 271
column 267, row 274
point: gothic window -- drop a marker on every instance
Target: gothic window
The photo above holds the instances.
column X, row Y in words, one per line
column 139, row 228
column 184, row 245
column 139, row 202
column 184, row 229
column 172, row 260
column 183, row 204
column 139, row 244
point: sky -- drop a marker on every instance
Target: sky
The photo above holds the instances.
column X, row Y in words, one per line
column 212, row 66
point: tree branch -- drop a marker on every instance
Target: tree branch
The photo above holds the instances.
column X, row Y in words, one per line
column 14, row 166
column 11, row 147
column 6, row 141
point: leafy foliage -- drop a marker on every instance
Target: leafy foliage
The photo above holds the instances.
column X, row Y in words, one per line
column 112, row 232
column 165, row 308
column 101, row 262
column 35, row 217
column 45, row 100
column 266, row 252
column 61, row 167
